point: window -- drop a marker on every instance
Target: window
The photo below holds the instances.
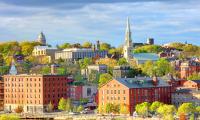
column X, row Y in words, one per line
column 124, row 98
column 124, row 91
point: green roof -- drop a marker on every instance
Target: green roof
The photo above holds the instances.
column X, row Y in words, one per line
column 146, row 56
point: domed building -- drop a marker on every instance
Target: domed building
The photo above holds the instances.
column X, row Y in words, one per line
column 41, row 39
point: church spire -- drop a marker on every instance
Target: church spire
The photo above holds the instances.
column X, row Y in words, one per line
column 128, row 39
column 128, row 42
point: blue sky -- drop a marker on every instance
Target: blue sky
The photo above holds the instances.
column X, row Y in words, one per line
column 105, row 20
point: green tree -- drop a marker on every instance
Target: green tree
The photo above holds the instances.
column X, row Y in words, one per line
column 186, row 108
column 85, row 62
column 46, row 70
column 61, row 71
column 148, row 49
column 105, row 46
column 143, row 109
column 4, row 70
column 62, row 104
column 122, row 61
column 80, row 108
column 68, row 106
column 155, row 105
column 148, row 68
column 198, row 109
column 163, row 67
column 64, row 46
column 87, row 45
column 105, row 77
column 167, row 111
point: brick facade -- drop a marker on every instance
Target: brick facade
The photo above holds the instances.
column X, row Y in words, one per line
column 118, row 93
column 34, row 92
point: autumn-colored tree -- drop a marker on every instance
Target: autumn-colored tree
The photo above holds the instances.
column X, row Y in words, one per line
column 87, row 45
column 105, row 77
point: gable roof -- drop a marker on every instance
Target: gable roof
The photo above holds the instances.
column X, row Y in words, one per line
column 146, row 56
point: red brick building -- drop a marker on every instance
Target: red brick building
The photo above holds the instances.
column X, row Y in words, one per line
column 1, row 94
column 188, row 68
column 34, row 92
column 132, row 91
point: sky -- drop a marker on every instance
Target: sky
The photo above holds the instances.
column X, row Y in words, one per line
column 105, row 20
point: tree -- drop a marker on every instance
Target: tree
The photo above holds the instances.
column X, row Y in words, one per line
column 124, row 109
column 9, row 117
column 68, row 106
column 4, row 70
column 62, row 104
column 87, row 45
column 198, row 109
column 155, row 105
column 163, row 67
column 61, row 71
column 85, row 62
column 186, row 108
column 105, row 46
column 105, row 77
column 50, row 107
column 167, row 111
column 45, row 70
column 122, row 61
column 159, row 68
column 19, row 109
column 64, row 46
column 148, row 68
column 80, row 108
column 112, row 108
column 142, row 109
column 107, row 61
column 148, row 49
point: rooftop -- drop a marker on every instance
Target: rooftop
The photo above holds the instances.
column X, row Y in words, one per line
column 142, row 82
column 43, row 47
column 146, row 56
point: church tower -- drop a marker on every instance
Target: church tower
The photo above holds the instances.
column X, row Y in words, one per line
column 41, row 39
column 128, row 42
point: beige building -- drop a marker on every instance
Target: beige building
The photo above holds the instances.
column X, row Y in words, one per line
column 44, row 53
column 74, row 54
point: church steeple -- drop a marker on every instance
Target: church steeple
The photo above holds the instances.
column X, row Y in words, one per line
column 128, row 40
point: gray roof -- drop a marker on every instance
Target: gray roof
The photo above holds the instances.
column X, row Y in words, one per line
column 142, row 82
column 187, row 90
column 146, row 56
